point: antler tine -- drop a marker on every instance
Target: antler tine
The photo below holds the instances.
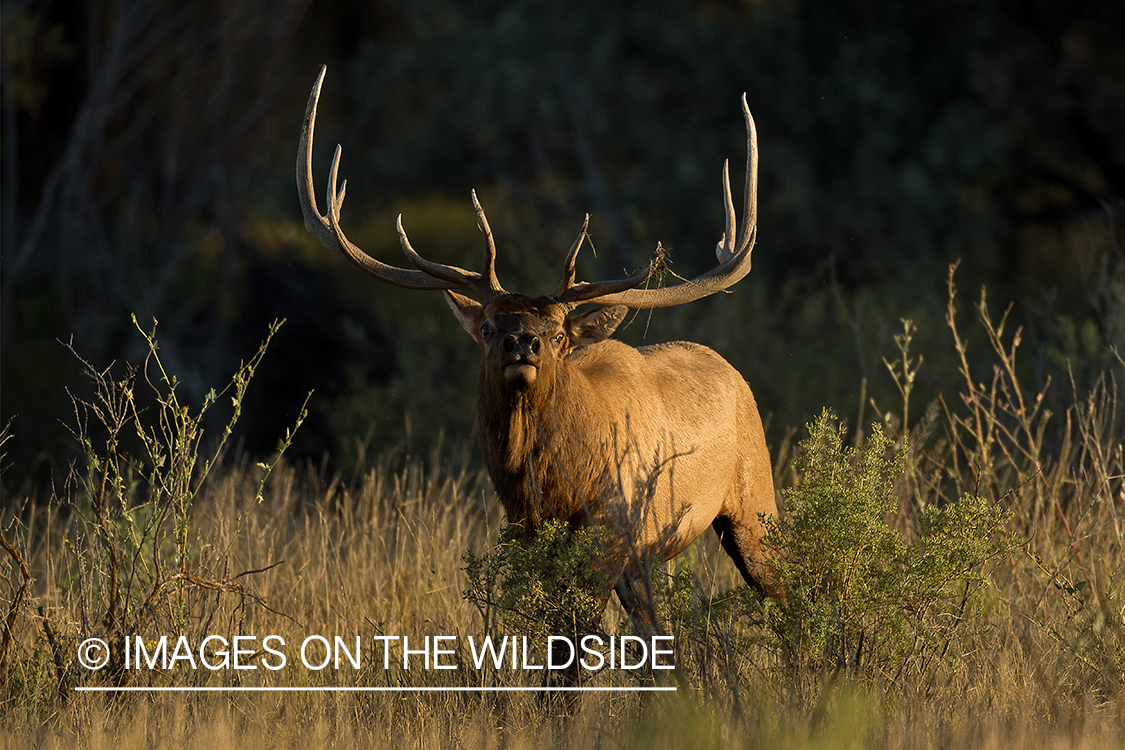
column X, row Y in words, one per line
column 488, row 269
column 734, row 258
column 458, row 277
column 750, row 196
column 335, row 200
column 326, row 228
column 724, row 251
column 568, row 264
column 484, row 285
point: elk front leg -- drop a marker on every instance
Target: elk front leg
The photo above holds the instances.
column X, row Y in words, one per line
column 634, row 589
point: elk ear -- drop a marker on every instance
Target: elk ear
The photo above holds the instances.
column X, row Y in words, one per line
column 594, row 326
column 470, row 314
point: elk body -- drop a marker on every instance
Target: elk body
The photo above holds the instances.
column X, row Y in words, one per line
column 655, row 443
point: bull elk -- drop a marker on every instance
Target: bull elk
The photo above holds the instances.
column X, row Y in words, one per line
column 655, row 443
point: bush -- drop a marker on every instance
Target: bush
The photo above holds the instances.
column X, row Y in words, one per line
column 551, row 584
column 139, row 569
column 860, row 600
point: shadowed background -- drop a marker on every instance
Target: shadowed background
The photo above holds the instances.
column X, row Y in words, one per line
column 147, row 167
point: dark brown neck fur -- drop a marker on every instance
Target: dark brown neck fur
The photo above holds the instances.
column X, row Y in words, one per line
column 539, row 447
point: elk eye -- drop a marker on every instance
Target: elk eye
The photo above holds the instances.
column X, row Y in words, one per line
column 559, row 337
column 486, row 330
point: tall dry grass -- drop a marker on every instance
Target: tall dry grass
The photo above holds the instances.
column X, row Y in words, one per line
column 1038, row 657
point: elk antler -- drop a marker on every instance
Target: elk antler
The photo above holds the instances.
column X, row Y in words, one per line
column 734, row 260
column 327, row 229
column 570, row 294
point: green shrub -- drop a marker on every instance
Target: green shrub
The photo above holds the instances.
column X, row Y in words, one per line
column 551, row 584
column 860, row 600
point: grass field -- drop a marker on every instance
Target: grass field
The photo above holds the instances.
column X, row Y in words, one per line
column 151, row 538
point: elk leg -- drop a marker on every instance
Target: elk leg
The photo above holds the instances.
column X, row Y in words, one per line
column 634, row 589
column 743, row 543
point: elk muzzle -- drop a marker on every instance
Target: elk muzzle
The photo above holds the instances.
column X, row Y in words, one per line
column 520, row 359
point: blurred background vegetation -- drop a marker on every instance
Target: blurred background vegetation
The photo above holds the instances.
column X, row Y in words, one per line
column 147, row 167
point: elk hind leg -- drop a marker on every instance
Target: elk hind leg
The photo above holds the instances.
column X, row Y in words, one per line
column 743, row 542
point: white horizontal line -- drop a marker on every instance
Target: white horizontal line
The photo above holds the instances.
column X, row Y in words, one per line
column 240, row 689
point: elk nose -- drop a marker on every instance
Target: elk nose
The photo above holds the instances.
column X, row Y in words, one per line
column 524, row 343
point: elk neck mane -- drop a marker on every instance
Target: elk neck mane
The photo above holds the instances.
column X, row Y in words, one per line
column 544, row 446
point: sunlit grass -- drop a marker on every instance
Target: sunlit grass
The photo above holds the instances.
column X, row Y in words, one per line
column 1037, row 657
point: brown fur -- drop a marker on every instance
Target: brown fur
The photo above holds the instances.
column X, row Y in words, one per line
column 656, row 443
